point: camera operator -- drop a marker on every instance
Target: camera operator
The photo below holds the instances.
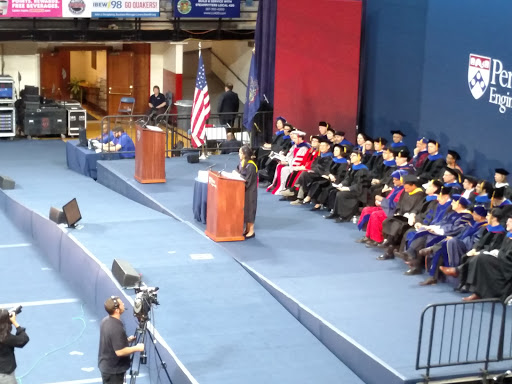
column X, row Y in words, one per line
column 8, row 342
column 114, row 352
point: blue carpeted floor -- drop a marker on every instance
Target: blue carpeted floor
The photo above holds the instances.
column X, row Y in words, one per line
column 316, row 262
column 63, row 344
column 222, row 325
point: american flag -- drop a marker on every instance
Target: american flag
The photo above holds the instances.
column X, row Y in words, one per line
column 201, row 106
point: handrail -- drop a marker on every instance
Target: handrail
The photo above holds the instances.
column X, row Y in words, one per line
column 177, row 124
column 230, row 70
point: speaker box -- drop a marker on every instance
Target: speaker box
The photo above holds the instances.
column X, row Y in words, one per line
column 124, row 273
column 57, row 216
column 6, row 182
column 193, row 158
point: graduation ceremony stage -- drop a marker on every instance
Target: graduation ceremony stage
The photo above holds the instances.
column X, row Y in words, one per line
column 215, row 324
column 365, row 311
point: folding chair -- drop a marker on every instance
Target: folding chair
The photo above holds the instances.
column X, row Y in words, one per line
column 126, row 107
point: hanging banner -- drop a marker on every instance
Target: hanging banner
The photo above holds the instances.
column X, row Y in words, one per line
column 79, row 8
column 207, row 8
column 30, row 8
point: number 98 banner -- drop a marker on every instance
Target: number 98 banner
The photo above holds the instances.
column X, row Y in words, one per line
column 113, row 8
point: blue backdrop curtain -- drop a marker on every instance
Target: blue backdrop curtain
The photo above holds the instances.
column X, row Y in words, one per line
column 265, row 41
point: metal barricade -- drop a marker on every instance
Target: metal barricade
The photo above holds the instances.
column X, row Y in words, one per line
column 178, row 140
column 463, row 333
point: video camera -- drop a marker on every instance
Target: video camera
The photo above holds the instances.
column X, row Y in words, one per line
column 144, row 300
column 15, row 310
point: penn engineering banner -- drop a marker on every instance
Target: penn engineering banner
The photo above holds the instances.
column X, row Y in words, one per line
column 79, row 8
column 207, row 8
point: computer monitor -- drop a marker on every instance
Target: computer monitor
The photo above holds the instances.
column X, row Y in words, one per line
column 6, row 91
column 82, row 137
column 72, row 213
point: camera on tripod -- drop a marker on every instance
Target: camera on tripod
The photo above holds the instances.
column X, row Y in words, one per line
column 145, row 298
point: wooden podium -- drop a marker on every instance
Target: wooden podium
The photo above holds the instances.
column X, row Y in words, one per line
column 225, row 208
column 149, row 155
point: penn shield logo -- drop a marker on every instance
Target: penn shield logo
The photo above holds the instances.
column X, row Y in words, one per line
column 479, row 71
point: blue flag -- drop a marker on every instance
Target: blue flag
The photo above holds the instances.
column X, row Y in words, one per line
column 252, row 98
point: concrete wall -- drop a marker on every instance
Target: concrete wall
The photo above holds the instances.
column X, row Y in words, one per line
column 236, row 55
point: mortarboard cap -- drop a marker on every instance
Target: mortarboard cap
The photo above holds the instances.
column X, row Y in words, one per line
column 399, row 174
column 455, row 155
column 480, row 211
column 498, row 193
column 403, row 152
column 299, row 133
column 437, row 183
column 281, row 118
column 482, row 199
column 381, row 140
column 398, row 132
column 337, row 146
column 472, row 179
column 424, row 140
column 324, row 140
column 462, row 200
column 434, row 142
column 411, row 179
column 502, row 171
column 339, row 133
column 454, row 172
column 323, row 124
column 315, row 137
column 445, row 190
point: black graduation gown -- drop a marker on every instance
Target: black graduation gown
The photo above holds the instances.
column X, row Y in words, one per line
column 394, row 227
column 320, row 166
column 374, row 161
column 250, row 176
column 488, row 242
column 347, row 202
column 431, row 169
column 490, row 276
column 319, row 190
column 378, row 167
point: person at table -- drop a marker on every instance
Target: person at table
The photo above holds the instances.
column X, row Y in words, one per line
column 230, row 145
column 157, row 103
column 107, row 136
column 249, row 171
column 121, row 143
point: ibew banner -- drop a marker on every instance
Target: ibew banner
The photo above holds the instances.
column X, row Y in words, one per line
column 490, row 73
column 207, row 8
column 110, row 8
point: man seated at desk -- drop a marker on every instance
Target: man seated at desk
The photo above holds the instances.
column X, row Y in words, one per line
column 107, row 136
column 230, row 145
column 121, row 143
column 157, row 103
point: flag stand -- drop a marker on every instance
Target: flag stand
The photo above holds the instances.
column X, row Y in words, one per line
column 204, row 155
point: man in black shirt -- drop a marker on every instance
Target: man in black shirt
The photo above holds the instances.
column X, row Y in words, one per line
column 8, row 342
column 157, row 103
column 114, row 352
column 228, row 103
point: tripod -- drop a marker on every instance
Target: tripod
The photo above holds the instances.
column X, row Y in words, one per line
column 142, row 331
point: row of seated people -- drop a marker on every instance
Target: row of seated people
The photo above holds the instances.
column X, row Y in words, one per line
column 419, row 208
